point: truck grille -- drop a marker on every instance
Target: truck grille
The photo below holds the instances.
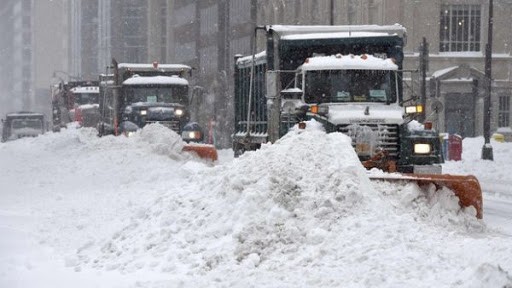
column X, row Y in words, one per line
column 367, row 138
column 173, row 125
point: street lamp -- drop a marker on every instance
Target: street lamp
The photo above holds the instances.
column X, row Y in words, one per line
column 487, row 153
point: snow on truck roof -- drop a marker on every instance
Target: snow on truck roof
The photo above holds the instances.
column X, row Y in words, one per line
column 23, row 114
column 85, row 89
column 259, row 57
column 160, row 80
column 294, row 32
column 348, row 62
column 150, row 67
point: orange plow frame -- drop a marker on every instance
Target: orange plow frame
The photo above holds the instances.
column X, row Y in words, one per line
column 466, row 188
column 204, row 151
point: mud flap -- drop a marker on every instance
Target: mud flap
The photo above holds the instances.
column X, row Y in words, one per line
column 204, row 151
column 466, row 188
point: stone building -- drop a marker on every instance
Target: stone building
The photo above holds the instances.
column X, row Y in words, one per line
column 456, row 32
column 33, row 45
column 79, row 38
column 206, row 35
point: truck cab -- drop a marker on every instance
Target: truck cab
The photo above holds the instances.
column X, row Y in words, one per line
column 75, row 101
column 22, row 124
column 348, row 78
column 141, row 94
column 358, row 95
column 85, row 108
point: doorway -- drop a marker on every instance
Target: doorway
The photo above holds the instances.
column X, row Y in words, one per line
column 460, row 114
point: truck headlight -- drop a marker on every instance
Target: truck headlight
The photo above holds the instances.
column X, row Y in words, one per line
column 422, row 148
column 143, row 112
column 191, row 135
column 413, row 109
column 178, row 112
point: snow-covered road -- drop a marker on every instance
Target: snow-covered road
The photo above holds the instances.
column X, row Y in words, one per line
column 82, row 211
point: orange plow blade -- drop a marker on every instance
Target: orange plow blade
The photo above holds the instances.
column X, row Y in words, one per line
column 466, row 188
column 204, row 151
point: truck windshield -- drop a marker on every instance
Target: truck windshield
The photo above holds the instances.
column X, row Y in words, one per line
column 156, row 94
column 86, row 98
column 18, row 124
column 348, row 86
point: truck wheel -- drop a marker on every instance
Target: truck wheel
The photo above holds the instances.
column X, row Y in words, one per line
column 238, row 149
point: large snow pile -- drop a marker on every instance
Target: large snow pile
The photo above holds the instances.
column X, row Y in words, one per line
column 299, row 213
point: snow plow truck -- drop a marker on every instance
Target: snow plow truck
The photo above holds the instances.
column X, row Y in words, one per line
column 75, row 101
column 137, row 94
column 349, row 79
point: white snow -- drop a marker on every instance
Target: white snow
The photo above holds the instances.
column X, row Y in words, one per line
column 160, row 80
column 355, row 113
column 149, row 67
column 86, row 89
column 348, row 62
column 334, row 35
column 259, row 58
column 81, row 211
column 316, row 31
column 441, row 72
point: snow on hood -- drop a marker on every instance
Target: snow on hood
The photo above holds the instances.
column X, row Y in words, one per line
column 355, row 113
column 414, row 125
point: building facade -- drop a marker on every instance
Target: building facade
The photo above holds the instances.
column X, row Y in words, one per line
column 34, row 45
column 206, row 35
column 455, row 30
column 456, row 33
column 52, row 40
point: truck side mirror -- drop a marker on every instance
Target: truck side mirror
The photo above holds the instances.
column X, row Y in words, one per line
column 301, row 112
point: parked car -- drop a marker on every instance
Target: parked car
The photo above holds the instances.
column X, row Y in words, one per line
column 22, row 124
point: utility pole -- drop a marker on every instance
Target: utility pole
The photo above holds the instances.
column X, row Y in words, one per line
column 487, row 153
column 423, row 69
column 332, row 13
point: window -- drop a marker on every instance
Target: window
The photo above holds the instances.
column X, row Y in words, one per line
column 459, row 28
column 239, row 11
column 504, row 112
column 185, row 15
column 209, row 20
column 208, row 59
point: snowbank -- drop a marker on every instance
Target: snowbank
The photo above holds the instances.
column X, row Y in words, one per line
column 301, row 212
column 83, row 211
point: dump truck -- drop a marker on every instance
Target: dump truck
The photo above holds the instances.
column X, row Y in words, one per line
column 137, row 94
column 349, row 79
column 23, row 124
column 75, row 101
